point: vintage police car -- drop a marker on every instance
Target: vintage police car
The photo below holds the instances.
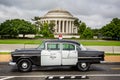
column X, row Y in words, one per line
column 56, row 53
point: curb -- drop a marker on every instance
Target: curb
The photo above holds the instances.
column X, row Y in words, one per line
column 4, row 63
column 106, row 62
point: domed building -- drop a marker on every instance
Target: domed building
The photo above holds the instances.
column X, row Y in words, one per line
column 64, row 21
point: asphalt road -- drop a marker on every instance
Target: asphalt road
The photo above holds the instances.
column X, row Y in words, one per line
column 108, row 71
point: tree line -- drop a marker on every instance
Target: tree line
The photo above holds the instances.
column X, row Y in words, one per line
column 12, row 28
column 110, row 31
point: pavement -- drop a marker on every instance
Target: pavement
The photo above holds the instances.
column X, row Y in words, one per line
column 12, row 47
column 105, row 71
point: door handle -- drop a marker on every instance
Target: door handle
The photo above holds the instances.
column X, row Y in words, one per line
column 52, row 57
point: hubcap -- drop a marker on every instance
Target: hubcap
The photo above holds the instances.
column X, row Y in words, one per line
column 83, row 65
column 24, row 65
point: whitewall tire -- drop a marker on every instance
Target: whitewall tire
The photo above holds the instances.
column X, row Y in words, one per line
column 24, row 65
column 83, row 66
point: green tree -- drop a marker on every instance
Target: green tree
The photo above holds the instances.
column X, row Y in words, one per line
column 37, row 22
column 16, row 26
column 80, row 25
column 87, row 34
column 81, row 28
column 112, row 29
column 77, row 22
column 9, row 28
column 26, row 28
column 97, row 32
column 51, row 27
column 47, row 30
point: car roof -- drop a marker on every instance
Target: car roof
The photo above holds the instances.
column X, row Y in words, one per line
column 64, row 41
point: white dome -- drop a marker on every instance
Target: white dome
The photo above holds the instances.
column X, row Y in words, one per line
column 58, row 13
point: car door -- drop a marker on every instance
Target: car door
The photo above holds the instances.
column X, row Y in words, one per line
column 52, row 55
column 69, row 54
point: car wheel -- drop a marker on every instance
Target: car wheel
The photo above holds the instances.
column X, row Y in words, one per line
column 24, row 65
column 83, row 66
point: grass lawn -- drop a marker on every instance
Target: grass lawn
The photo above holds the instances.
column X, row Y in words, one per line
column 111, row 54
column 20, row 41
column 100, row 43
column 84, row 42
column 4, row 52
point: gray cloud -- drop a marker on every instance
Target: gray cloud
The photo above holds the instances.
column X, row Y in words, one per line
column 95, row 13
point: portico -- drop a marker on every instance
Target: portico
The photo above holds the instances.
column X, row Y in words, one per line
column 63, row 20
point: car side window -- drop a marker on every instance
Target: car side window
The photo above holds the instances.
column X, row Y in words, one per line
column 42, row 46
column 53, row 46
column 72, row 47
column 78, row 48
column 67, row 46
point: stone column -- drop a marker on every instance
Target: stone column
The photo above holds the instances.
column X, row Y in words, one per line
column 59, row 25
column 45, row 21
column 55, row 26
column 66, row 27
column 69, row 27
column 63, row 26
column 48, row 21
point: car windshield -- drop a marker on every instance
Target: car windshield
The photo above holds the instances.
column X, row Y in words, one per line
column 82, row 47
column 41, row 46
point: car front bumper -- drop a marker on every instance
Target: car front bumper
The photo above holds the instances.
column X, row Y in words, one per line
column 12, row 63
column 103, row 62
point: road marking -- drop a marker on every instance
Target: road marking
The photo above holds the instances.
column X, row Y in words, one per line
column 66, row 77
column 7, row 77
column 93, row 75
column 115, row 68
column 51, row 77
column 72, row 77
column 83, row 77
column 61, row 77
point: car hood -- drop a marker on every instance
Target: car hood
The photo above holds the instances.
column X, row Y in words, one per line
column 27, row 50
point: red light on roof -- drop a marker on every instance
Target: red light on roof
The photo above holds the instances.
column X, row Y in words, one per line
column 60, row 36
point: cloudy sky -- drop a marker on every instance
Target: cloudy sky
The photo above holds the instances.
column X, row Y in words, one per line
column 95, row 13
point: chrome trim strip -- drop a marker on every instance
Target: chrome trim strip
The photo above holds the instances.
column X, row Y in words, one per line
column 70, row 58
column 26, row 55
column 81, row 57
column 103, row 62
column 28, row 52
column 87, row 57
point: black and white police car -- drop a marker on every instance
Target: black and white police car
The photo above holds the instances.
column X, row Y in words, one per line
column 56, row 53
